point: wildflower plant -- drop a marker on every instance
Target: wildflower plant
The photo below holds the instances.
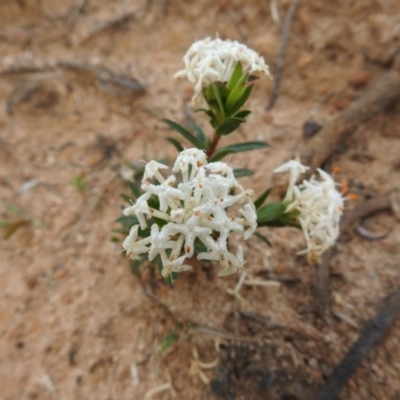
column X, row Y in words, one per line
column 192, row 211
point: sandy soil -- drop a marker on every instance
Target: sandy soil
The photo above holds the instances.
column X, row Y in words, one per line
column 75, row 323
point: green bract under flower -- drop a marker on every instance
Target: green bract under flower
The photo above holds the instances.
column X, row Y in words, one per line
column 192, row 211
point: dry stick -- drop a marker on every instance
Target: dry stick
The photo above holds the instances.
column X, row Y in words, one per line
column 365, row 208
column 281, row 53
column 374, row 331
column 382, row 93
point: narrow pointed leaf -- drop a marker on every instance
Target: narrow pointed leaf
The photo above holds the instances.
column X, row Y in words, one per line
column 237, row 148
column 126, row 198
column 217, row 94
column 242, row 114
column 185, row 133
column 236, row 75
column 242, row 172
column 235, row 95
column 263, row 238
column 175, row 143
column 219, row 155
column 246, row 146
column 270, row 212
column 236, row 106
column 261, row 199
column 200, row 134
column 229, row 125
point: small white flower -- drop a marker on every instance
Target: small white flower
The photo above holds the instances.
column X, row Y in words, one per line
column 151, row 170
column 174, row 266
column 250, row 216
column 229, row 262
column 209, row 61
column 135, row 248
column 167, row 194
column 320, row 206
column 139, row 209
column 190, row 157
column 295, row 169
column 194, row 210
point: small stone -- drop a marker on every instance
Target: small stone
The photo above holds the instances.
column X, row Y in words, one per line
column 268, row 117
column 310, row 128
column 342, row 101
column 358, row 79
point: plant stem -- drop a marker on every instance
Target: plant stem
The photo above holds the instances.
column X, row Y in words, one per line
column 213, row 146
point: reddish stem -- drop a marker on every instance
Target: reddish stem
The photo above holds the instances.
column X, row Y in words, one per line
column 213, row 146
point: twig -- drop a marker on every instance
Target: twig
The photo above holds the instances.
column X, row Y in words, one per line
column 106, row 79
column 223, row 334
column 271, row 327
column 281, row 53
column 365, row 208
column 89, row 27
column 382, row 93
column 373, row 332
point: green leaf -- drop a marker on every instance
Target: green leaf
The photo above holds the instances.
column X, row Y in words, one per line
column 216, row 90
column 127, row 223
column 263, row 238
column 270, row 212
column 246, row 146
column 126, row 198
column 10, row 227
column 236, row 106
column 236, row 76
column 185, row 133
column 261, row 199
column 175, row 143
column 236, row 148
column 242, row 114
column 135, row 190
column 219, row 155
column 228, row 125
column 168, row 341
column 242, row 172
column 200, row 135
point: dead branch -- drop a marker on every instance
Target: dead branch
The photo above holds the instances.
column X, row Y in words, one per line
column 382, row 93
column 105, row 78
column 87, row 28
column 281, row 53
column 364, row 209
column 373, row 332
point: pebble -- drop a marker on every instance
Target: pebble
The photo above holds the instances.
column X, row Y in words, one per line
column 267, row 117
column 310, row 128
column 358, row 79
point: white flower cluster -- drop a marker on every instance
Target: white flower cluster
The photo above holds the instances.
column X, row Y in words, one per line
column 194, row 209
column 320, row 206
column 209, row 61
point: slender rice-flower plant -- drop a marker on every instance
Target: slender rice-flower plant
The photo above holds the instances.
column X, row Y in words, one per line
column 193, row 211
column 190, row 213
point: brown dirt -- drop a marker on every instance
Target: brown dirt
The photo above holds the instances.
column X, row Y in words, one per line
column 74, row 322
